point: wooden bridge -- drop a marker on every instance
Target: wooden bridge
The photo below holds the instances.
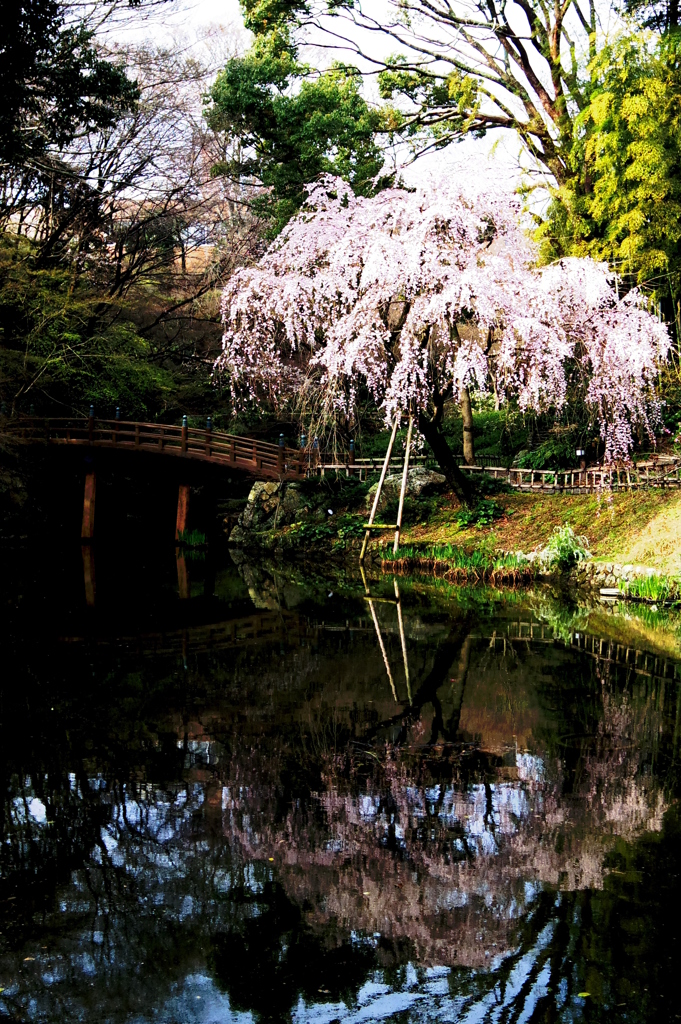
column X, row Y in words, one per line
column 261, row 458
column 268, row 461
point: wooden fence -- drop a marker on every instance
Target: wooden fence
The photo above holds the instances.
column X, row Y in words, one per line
column 264, row 459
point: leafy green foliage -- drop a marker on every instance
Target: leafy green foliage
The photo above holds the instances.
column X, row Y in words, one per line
column 478, row 560
column 458, row 94
column 292, row 125
column 557, row 452
column 192, row 538
column 483, row 513
column 623, row 200
column 63, row 347
column 653, row 589
column 565, row 548
column 53, row 81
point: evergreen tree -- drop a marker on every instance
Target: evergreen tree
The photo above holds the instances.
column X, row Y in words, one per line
column 291, row 124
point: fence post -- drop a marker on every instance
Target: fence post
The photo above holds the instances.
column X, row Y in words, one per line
column 280, row 454
column 209, row 432
column 91, row 425
column 184, row 434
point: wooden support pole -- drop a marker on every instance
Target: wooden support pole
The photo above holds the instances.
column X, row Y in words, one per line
column 182, row 510
column 403, row 488
column 374, row 507
column 382, row 646
column 87, row 530
column 182, row 576
column 403, row 639
column 89, row 574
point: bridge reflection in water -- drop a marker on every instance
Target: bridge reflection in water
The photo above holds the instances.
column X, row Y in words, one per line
column 282, row 816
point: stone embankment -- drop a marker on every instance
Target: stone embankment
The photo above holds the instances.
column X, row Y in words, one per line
column 608, row 574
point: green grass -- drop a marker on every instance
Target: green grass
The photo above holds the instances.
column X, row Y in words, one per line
column 653, row 589
column 477, row 562
column 192, row 538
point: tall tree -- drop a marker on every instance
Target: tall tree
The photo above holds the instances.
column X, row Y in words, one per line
column 416, row 295
column 623, row 203
column 455, row 70
column 54, row 81
column 292, row 124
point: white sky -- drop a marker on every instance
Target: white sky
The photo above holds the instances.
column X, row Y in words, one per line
column 190, row 19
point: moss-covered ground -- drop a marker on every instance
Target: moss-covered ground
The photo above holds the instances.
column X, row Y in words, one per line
column 641, row 527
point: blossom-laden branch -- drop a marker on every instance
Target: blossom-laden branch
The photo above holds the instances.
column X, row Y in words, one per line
column 455, row 262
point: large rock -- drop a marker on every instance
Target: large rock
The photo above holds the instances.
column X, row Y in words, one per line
column 420, row 483
column 269, row 506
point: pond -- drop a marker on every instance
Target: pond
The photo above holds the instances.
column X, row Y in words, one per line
column 246, row 793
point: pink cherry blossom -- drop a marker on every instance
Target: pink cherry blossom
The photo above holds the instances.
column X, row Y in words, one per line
column 416, row 292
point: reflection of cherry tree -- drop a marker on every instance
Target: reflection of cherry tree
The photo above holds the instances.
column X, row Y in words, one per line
column 418, row 294
column 303, row 838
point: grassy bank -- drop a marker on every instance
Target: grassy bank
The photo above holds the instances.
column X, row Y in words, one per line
column 454, row 563
column 638, row 527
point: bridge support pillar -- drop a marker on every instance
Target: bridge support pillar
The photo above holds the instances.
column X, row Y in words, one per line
column 89, row 574
column 182, row 575
column 87, row 530
column 182, row 510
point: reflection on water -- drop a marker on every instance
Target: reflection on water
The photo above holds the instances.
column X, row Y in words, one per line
column 311, row 806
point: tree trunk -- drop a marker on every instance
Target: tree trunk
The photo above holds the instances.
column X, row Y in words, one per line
column 467, row 415
column 459, row 483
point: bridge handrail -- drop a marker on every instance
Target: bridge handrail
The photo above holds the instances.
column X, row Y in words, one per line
column 83, row 424
column 213, row 445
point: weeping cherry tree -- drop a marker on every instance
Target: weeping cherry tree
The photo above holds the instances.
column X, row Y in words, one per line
column 416, row 295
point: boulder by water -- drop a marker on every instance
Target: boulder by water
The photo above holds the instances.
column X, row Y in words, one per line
column 270, row 505
column 420, row 483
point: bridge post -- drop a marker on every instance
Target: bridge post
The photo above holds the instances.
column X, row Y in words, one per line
column 184, row 433
column 91, row 425
column 182, row 576
column 182, row 510
column 87, row 530
column 280, row 454
column 209, row 433
column 89, row 574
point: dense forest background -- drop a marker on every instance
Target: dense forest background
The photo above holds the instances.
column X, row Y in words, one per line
column 134, row 178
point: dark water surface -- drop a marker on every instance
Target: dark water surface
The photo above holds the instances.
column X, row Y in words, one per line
column 223, row 807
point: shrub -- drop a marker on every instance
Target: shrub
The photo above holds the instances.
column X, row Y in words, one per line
column 483, row 513
column 565, row 548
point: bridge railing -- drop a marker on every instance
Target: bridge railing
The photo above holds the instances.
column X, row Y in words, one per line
column 216, row 446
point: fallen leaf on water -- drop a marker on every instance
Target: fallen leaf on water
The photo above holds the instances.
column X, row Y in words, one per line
column 583, row 995
column 270, row 858
column 28, row 958
column 366, row 894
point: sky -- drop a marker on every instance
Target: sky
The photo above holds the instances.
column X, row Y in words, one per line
column 190, row 19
